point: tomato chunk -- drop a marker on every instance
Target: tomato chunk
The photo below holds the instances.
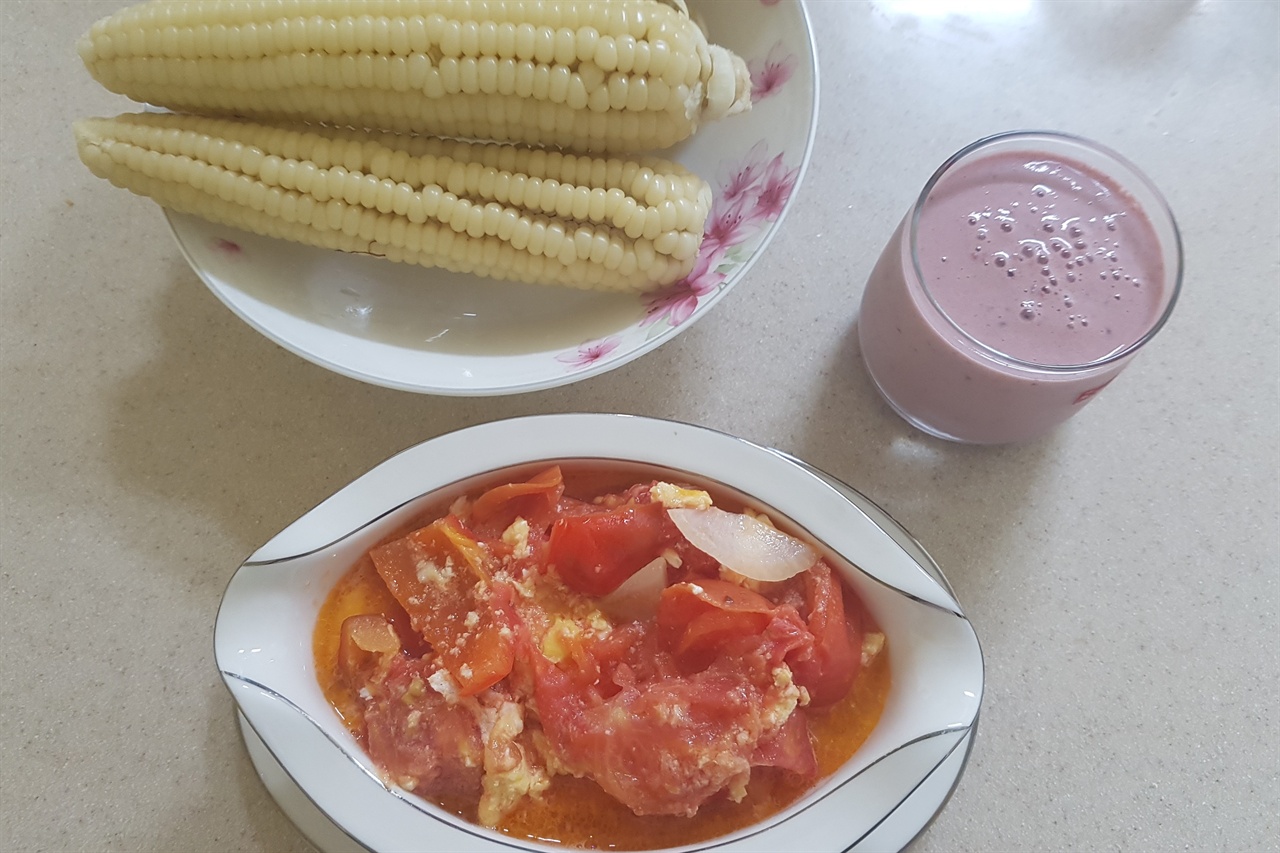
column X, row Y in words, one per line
column 790, row 748
column 830, row 669
column 595, row 553
column 697, row 621
column 433, row 573
column 660, row 748
column 420, row 739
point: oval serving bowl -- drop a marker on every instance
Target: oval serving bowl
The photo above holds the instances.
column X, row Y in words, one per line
column 880, row 799
column 436, row 332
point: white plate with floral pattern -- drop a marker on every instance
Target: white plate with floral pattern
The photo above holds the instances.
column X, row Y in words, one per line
column 437, row 332
column 884, row 796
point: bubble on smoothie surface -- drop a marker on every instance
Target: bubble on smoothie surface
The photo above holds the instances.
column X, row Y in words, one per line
column 1059, row 221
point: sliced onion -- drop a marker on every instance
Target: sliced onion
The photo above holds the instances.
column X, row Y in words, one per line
column 637, row 597
column 747, row 546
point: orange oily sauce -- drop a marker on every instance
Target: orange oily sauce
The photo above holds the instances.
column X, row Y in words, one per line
column 577, row 812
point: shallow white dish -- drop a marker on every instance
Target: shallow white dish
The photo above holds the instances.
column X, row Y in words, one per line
column 436, row 332
column 884, row 796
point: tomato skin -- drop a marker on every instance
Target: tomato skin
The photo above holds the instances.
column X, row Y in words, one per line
column 366, row 642
column 716, row 629
column 534, row 500
column 697, row 596
column 830, row 669
column 595, row 553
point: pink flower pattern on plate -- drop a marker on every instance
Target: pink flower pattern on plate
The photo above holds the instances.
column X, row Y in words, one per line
column 750, row 195
column 775, row 189
column 742, row 179
column 589, row 353
column 676, row 303
column 770, row 74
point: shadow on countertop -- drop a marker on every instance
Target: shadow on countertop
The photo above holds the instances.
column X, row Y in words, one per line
column 962, row 502
column 229, row 424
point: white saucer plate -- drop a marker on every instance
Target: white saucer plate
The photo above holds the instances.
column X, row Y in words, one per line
column 437, row 332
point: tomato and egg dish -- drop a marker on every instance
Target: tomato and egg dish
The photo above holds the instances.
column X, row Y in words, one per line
column 580, row 659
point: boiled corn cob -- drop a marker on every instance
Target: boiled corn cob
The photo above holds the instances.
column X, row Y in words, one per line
column 496, row 210
column 586, row 75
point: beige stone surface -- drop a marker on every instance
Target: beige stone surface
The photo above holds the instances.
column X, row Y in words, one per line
column 1121, row 573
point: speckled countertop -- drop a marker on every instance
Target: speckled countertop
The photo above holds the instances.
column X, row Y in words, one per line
column 1121, row 573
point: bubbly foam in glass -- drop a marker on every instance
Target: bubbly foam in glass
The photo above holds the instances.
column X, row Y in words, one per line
column 1030, row 271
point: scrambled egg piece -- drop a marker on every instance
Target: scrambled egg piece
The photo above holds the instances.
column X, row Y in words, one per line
column 782, row 699
column 872, row 645
column 442, row 682
column 676, row 497
column 509, row 776
column 435, row 575
column 566, row 633
column 517, row 536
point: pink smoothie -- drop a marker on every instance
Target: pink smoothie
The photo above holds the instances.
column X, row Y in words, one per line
column 1032, row 280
